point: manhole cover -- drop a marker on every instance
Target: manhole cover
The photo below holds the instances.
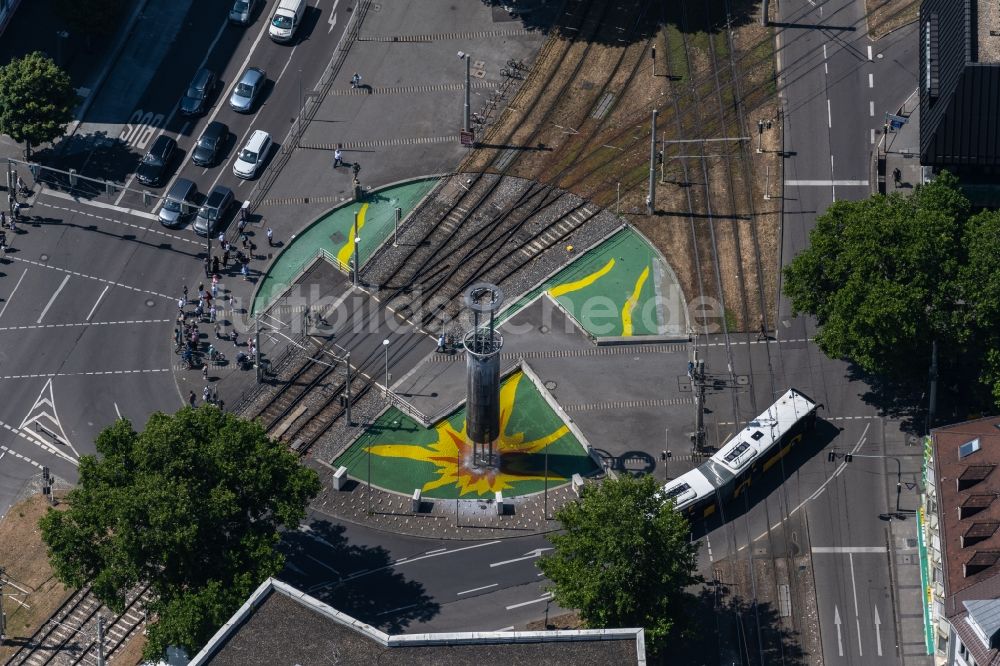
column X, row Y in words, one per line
column 150, row 303
column 911, row 543
column 338, row 237
column 44, row 257
column 543, row 329
column 742, row 380
column 550, row 385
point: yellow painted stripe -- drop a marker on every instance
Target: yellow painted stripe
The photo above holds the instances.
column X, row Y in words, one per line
column 346, row 252
column 631, row 302
column 559, row 290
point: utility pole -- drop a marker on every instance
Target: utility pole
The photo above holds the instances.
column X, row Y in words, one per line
column 395, row 228
column 465, row 110
column 546, row 483
column 256, row 345
column 696, row 371
column 350, row 422
column 357, row 242
column 100, row 640
column 760, row 136
column 651, row 196
column 2, row 616
column 653, row 55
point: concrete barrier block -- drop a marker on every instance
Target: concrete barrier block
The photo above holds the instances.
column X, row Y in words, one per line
column 340, row 478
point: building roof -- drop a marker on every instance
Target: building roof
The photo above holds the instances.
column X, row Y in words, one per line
column 968, row 491
column 282, row 625
column 959, row 83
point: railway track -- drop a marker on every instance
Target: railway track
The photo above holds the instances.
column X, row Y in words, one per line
column 69, row 637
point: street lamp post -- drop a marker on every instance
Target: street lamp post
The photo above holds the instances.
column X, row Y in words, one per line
column 462, row 55
column 385, row 345
column 350, row 422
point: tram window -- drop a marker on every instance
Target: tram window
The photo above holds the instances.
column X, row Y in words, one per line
column 757, row 435
column 737, row 451
column 674, row 492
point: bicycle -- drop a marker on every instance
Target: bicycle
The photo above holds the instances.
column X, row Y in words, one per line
column 517, row 64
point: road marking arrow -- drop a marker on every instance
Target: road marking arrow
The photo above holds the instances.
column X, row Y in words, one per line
column 531, row 554
column 333, row 17
column 840, row 638
column 878, row 631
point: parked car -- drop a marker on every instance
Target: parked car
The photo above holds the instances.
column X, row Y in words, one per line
column 242, row 12
column 195, row 100
column 212, row 215
column 154, row 165
column 179, row 204
column 247, row 90
column 252, row 156
column 210, row 144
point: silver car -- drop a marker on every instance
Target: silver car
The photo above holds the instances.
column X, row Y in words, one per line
column 242, row 11
column 247, row 90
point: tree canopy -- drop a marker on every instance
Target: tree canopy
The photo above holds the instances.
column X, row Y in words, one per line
column 623, row 558
column 190, row 505
column 36, row 100
column 887, row 276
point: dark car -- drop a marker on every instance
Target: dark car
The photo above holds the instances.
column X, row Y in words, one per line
column 247, row 90
column 154, row 164
column 210, row 143
column 196, row 98
column 242, row 12
column 213, row 214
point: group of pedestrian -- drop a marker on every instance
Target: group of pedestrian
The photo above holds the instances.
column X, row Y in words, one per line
column 209, row 395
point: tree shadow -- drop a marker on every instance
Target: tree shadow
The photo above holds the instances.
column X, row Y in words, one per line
column 615, row 22
column 721, row 628
column 354, row 579
column 96, row 155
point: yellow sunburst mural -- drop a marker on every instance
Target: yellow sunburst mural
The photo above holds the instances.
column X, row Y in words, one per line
column 451, row 454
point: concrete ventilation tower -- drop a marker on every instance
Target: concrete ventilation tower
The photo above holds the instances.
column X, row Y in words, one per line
column 482, row 358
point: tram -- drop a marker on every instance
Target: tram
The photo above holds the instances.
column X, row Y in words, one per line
column 754, row 450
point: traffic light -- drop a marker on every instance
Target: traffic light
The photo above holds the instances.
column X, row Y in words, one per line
column 849, row 458
column 831, row 456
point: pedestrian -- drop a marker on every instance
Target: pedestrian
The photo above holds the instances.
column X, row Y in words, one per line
column 208, row 266
column 199, row 311
column 245, row 270
column 241, row 227
column 245, row 241
column 441, row 341
column 338, row 157
column 16, row 213
column 356, row 80
column 897, row 176
column 211, row 313
column 235, row 337
column 180, row 305
column 21, row 187
column 192, row 398
column 204, row 372
column 270, row 237
column 206, row 394
column 225, row 259
column 215, row 266
column 252, row 349
column 215, row 285
column 762, row 330
column 222, row 237
column 218, row 331
column 3, row 220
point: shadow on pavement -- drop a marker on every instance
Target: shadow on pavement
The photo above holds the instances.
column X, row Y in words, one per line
column 319, row 561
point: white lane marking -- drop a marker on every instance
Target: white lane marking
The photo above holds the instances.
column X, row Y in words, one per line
column 322, row 563
column 857, row 617
column 127, row 211
column 824, row 51
column 873, row 135
column 394, row 610
column 33, row 327
column 849, row 549
column 834, row 182
column 17, row 455
column 544, row 597
column 510, row 628
column 92, row 373
column 118, row 411
column 826, row 68
column 432, row 552
column 826, row 183
column 477, row 589
column 52, row 300
column 871, row 108
column 332, row 21
column 422, row 557
column 871, row 80
column 869, row 51
column 99, row 204
column 48, row 423
column 7, row 302
column 97, row 302
column 840, row 638
column 878, row 630
column 829, row 115
column 530, row 555
column 223, row 98
column 93, row 277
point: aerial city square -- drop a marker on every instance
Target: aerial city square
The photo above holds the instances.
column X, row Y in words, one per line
column 500, row 331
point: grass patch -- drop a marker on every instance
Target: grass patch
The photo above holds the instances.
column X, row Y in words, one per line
column 677, row 63
column 31, row 593
column 732, row 323
column 884, row 16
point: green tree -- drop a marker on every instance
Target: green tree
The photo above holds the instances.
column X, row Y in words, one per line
column 191, row 505
column 93, row 18
column 981, row 294
column 881, row 276
column 36, row 100
column 623, row 558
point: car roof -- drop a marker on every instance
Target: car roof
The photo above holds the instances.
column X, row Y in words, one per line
column 181, row 185
column 161, row 144
column 256, row 139
column 201, row 78
column 215, row 129
column 217, row 194
column 252, row 75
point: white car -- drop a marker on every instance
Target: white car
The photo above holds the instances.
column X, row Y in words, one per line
column 252, row 155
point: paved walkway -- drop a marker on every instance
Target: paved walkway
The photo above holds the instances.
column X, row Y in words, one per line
column 621, row 288
column 333, row 233
column 901, row 150
column 535, row 447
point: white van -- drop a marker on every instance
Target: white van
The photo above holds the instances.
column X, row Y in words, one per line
column 286, row 19
column 253, row 155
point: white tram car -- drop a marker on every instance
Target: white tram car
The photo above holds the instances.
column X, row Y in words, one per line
column 754, row 450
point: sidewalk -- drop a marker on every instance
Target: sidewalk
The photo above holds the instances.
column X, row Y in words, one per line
column 900, row 149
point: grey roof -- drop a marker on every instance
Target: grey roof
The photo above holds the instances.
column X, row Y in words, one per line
column 986, row 614
column 282, row 625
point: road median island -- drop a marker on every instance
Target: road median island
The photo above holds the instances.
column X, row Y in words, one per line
column 884, row 16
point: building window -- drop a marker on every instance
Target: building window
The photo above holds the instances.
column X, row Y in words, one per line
column 930, row 39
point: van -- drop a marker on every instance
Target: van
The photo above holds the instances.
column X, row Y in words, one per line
column 286, row 19
column 179, row 203
column 253, row 154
